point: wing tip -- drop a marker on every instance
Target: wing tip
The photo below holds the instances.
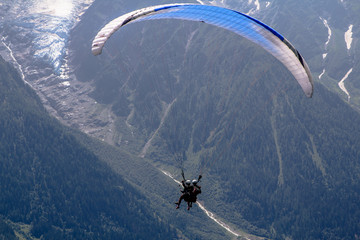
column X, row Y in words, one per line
column 96, row 51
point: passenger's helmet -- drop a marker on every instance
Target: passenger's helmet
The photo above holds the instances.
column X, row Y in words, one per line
column 188, row 182
column 194, row 182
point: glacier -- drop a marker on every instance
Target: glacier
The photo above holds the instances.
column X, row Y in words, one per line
column 46, row 22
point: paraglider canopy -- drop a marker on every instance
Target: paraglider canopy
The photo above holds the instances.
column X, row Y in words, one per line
column 234, row 21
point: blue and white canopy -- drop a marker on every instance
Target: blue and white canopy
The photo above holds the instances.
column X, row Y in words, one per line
column 234, row 21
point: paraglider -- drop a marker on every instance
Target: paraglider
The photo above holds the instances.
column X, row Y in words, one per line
column 190, row 191
column 234, row 21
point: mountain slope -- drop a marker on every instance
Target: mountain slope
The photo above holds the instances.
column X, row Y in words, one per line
column 287, row 165
column 274, row 162
column 54, row 184
column 327, row 35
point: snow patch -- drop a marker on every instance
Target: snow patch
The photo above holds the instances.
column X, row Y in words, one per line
column 218, row 3
column 65, row 84
column 325, row 22
column 267, row 4
column 256, row 9
column 329, row 31
column 257, row 5
column 348, row 37
column 341, row 84
column 59, row 8
column 322, row 73
column 201, row 2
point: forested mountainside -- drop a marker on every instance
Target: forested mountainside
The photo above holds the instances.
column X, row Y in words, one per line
column 52, row 186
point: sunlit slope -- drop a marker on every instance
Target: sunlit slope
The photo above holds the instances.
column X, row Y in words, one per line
column 326, row 34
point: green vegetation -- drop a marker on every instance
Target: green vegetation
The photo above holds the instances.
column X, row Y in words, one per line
column 57, row 186
column 6, row 232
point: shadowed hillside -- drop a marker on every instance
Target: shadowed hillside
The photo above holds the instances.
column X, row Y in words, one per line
column 54, row 185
